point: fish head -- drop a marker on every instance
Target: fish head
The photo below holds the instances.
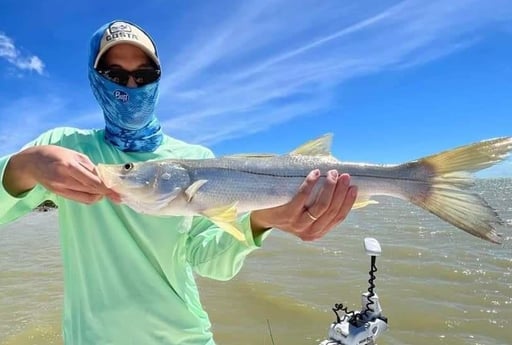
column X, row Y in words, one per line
column 145, row 186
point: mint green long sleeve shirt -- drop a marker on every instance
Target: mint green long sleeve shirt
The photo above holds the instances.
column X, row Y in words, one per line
column 128, row 277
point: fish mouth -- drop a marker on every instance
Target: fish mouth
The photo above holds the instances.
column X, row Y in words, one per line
column 113, row 179
column 107, row 176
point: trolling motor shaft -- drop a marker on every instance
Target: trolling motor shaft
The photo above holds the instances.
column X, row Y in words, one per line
column 360, row 327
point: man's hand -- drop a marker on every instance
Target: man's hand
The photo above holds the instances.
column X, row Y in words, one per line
column 60, row 170
column 310, row 222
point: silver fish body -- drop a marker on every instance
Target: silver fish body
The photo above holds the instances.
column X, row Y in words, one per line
column 220, row 188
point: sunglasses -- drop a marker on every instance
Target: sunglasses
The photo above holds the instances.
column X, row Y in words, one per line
column 121, row 76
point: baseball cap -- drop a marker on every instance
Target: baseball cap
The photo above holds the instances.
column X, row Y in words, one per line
column 124, row 32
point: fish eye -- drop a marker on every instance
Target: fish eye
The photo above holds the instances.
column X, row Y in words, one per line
column 128, row 166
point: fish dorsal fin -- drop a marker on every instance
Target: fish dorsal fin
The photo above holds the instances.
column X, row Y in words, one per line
column 225, row 218
column 193, row 188
column 316, row 147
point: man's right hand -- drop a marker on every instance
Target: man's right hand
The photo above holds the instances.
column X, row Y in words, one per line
column 62, row 171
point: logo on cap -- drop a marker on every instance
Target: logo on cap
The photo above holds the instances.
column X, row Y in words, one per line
column 120, row 30
column 121, row 96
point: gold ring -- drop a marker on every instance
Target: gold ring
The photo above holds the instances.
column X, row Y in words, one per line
column 313, row 218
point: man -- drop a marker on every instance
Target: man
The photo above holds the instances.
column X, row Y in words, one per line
column 129, row 277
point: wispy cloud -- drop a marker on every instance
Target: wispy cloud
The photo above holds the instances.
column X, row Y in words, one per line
column 268, row 55
column 9, row 52
column 266, row 62
column 30, row 116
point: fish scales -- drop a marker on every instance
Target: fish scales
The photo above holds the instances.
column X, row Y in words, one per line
column 221, row 188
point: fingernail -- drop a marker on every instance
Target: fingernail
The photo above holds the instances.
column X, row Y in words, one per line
column 333, row 174
column 346, row 180
column 316, row 173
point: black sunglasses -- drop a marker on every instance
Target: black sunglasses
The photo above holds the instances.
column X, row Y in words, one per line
column 121, row 76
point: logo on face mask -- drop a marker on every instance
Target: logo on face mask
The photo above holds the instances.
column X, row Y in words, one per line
column 121, row 96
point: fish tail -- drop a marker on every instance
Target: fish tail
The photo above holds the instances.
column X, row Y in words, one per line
column 446, row 186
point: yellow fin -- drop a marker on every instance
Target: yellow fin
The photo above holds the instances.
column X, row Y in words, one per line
column 193, row 188
column 317, row 147
column 363, row 203
column 470, row 158
column 225, row 218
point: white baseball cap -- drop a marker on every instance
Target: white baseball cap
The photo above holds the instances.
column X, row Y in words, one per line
column 123, row 32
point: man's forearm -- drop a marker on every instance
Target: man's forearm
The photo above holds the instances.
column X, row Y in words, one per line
column 17, row 178
column 258, row 223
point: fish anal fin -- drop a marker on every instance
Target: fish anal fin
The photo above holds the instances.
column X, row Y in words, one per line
column 363, row 203
column 225, row 218
column 316, row 147
column 193, row 188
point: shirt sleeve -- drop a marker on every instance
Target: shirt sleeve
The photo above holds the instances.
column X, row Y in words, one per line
column 216, row 254
column 13, row 207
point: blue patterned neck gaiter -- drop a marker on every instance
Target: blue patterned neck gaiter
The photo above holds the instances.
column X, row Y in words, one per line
column 130, row 121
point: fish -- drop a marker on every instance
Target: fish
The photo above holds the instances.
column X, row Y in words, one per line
column 224, row 187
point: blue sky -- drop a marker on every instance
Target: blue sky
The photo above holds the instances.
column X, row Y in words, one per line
column 392, row 80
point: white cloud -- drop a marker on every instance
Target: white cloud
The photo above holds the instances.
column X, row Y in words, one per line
column 9, row 52
column 267, row 54
column 266, row 62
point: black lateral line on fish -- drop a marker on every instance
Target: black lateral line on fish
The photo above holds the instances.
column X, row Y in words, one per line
column 323, row 175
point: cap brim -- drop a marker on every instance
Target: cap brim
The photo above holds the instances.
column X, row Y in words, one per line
column 139, row 45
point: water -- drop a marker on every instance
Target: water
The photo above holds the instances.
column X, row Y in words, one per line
column 437, row 285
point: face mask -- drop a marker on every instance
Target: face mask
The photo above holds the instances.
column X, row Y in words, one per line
column 130, row 121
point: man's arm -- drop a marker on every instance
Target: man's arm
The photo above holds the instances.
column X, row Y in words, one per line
column 17, row 178
column 310, row 222
column 60, row 170
column 216, row 254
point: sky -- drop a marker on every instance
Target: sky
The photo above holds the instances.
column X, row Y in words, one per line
column 391, row 80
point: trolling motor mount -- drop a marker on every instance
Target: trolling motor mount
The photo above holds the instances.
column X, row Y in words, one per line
column 360, row 327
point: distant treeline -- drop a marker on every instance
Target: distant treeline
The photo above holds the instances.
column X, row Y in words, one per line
column 46, row 206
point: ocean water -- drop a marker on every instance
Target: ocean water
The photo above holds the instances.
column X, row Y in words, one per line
column 436, row 284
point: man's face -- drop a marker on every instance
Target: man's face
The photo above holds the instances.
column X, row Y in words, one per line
column 127, row 57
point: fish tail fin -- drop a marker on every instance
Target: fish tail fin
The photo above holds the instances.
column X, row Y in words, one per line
column 444, row 189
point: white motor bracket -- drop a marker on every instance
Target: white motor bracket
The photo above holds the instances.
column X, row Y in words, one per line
column 360, row 327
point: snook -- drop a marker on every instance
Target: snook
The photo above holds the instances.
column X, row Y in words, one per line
column 221, row 188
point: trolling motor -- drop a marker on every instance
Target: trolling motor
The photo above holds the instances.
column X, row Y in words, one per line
column 360, row 328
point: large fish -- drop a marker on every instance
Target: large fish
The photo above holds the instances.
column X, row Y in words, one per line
column 221, row 188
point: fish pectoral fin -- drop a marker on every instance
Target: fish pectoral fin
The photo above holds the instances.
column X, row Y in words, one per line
column 225, row 218
column 316, row 147
column 363, row 203
column 193, row 188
